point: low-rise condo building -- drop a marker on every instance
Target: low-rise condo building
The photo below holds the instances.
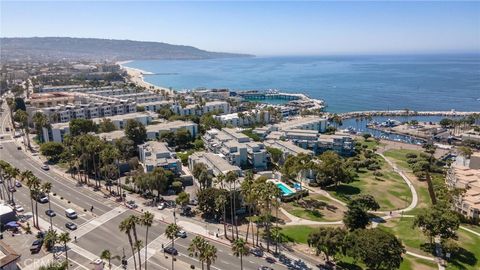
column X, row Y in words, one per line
column 216, row 163
column 247, row 118
column 155, row 131
column 236, row 147
column 306, row 123
column 468, row 203
column 195, row 109
column 153, row 154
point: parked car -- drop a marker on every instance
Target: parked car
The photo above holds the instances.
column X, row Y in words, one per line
column 264, row 268
column 161, row 206
column 182, row 234
column 256, row 252
column 171, row 251
column 19, row 208
column 71, row 226
column 131, row 205
column 270, row 260
column 193, row 202
column 11, row 189
column 36, row 246
column 50, row 213
column 45, row 167
column 19, row 148
column 18, row 184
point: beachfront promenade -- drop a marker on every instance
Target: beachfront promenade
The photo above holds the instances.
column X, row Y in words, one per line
column 405, row 113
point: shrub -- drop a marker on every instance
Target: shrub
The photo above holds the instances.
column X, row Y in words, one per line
column 177, row 186
column 411, row 155
column 373, row 167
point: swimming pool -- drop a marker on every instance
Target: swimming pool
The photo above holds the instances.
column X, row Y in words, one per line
column 285, row 190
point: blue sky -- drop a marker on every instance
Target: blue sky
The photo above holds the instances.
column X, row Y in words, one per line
column 261, row 28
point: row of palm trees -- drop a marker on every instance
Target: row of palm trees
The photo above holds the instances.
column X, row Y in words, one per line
column 129, row 227
column 9, row 174
column 52, row 237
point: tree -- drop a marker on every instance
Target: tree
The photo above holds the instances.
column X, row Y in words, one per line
column 64, row 238
column 438, row 221
column 332, row 170
column 275, row 154
column 106, row 125
column 365, row 201
column 327, row 240
column 240, row 249
column 53, row 150
column 159, row 180
column 40, row 121
column 54, row 266
column 146, row 220
column 171, row 232
column 135, row 131
column 182, row 199
column 183, row 138
column 50, row 239
column 366, row 136
column 107, row 255
column 209, row 255
column 356, row 218
column 467, row 152
column 446, row 123
column 203, row 176
column 376, row 248
column 21, row 116
column 196, row 247
column 46, row 188
column 126, row 227
column 81, row 126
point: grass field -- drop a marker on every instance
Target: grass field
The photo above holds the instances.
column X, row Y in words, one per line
column 475, row 228
column 412, row 238
column 413, row 263
column 399, row 155
column 390, row 191
column 298, row 233
column 469, row 257
column 316, row 207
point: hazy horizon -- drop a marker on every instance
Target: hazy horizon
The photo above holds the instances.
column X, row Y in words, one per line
column 260, row 28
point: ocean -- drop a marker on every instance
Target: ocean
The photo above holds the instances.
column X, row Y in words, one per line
column 346, row 83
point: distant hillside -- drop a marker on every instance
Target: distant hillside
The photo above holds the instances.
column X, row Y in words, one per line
column 57, row 48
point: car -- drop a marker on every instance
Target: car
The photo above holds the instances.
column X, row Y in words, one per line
column 256, row 252
column 42, row 198
column 182, row 234
column 131, row 205
column 7, row 129
column 18, row 184
column 19, row 208
column 1, row 147
column 270, row 260
column 71, row 226
column 45, row 167
column 1, row 137
column 50, row 213
column 19, row 148
column 11, row 189
column 263, row 267
column 161, row 206
column 193, row 202
column 171, row 251
column 70, row 213
column 36, row 246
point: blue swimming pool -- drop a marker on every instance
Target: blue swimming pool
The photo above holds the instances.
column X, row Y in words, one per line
column 285, row 190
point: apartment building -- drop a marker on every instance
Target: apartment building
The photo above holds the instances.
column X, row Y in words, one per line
column 468, row 203
column 155, row 131
column 155, row 105
column 287, row 147
column 216, row 163
column 247, row 118
column 57, row 131
column 236, row 147
column 153, row 154
column 195, row 109
column 316, row 123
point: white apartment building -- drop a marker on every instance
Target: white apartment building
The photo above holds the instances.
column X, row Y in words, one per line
column 57, row 131
column 155, row 105
column 316, row 123
column 236, row 147
column 245, row 118
column 155, row 131
column 194, row 109
column 153, row 154
column 215, row 162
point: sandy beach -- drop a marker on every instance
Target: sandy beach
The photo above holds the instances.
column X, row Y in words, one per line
column 136, row 76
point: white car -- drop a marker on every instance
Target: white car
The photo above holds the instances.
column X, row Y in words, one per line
column 161, row 206
column 19, row 208
column 45, row 167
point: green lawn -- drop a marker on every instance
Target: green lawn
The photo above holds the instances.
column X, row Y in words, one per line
column 297, row 233
column 412, row 238
column 469, row 257
column 390, row 191
column 413, row 263
column 318, row 208
column 400, row 156
column 475, row 228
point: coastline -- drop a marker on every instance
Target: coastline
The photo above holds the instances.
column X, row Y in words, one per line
column 137, row 76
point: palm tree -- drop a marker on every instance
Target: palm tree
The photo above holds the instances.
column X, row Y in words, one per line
column 196, row 247
column 208, row 255
column 231, row 178
column 107, row 255
column 33, row 183
column 46, row 188
column 222, row 200
column 51, row 238
column 240, row 249
column 54, row 266
column 22, row 117
column 171, row 232
column 64, row 238
column 248, row 196
column 40, row 121
column 12, row 173
column 126, row 227
column 147, row 221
